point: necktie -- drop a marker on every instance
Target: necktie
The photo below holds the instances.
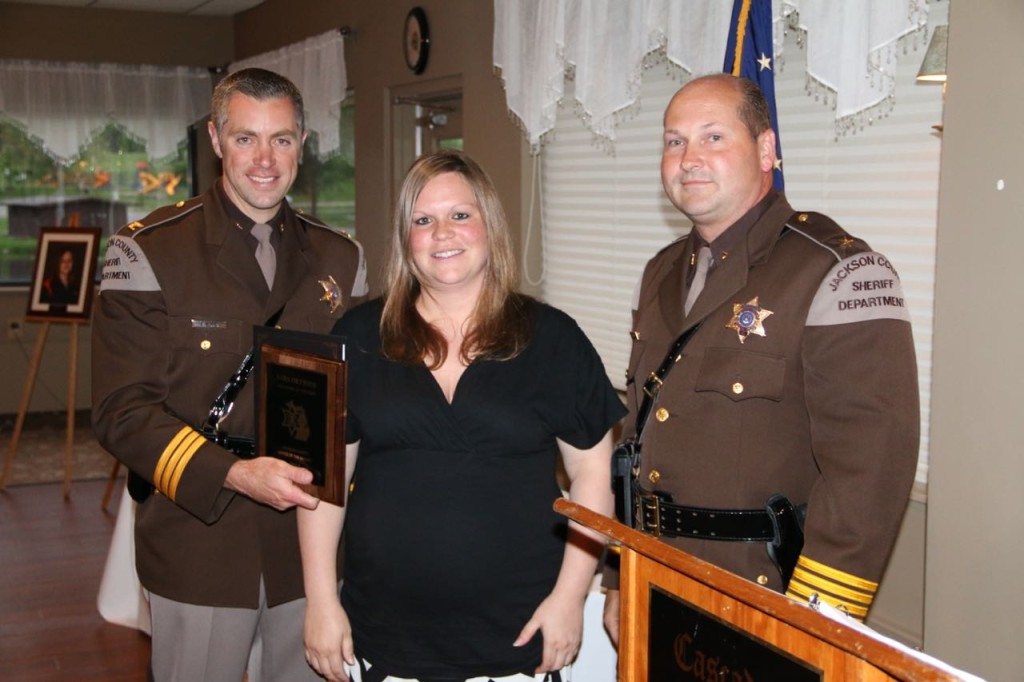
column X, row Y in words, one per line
column 699, row 277
column 265, row 254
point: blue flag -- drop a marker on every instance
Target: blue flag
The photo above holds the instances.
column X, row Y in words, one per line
column 750, row 53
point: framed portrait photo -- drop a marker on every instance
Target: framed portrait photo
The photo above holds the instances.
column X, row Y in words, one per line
column 64, row 276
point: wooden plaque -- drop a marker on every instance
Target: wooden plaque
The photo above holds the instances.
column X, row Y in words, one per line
column 301, row 407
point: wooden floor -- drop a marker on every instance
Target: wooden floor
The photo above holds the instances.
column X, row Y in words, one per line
column 52, row 554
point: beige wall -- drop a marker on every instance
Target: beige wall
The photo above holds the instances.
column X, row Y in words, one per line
column 97, row 35
column 974, row 604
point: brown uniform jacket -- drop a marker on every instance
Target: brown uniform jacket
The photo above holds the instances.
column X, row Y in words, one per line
column 180, row 295
column 821, row 407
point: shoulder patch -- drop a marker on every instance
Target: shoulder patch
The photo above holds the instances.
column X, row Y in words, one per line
column 126, row 267
column 162, row 216
column 826, row 233
column 862, row 287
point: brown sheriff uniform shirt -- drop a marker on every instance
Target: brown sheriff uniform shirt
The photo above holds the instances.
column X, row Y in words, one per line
column 180, row 294
column 812, row 394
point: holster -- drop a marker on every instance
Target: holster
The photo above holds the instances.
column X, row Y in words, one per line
column 625, row 464
column 139, row 488
column 788, row 541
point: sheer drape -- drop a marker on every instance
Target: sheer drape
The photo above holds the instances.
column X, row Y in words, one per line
column 317, row 67
column 65, row 103
column 607, row 44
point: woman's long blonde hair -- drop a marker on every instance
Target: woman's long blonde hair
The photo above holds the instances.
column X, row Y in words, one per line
column 500, row 327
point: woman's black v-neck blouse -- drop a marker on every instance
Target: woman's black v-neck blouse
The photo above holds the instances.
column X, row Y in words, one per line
column 450, row 539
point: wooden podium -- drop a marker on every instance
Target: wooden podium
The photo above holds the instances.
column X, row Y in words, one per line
column 685, row 619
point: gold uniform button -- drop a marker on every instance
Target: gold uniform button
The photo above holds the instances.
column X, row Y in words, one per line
column 802, row 218
column 654, row 476
column 762, row 580
column 179, row 204
column 661, row 415
column 737, row 388
column 205, row 344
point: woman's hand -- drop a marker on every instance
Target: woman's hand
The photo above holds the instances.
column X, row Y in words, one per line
column 328, row 638
column 559, row 618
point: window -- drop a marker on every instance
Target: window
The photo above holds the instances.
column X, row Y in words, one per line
column 326, row 188
column 110, row 182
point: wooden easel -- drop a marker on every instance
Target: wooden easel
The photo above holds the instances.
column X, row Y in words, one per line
column 30, row 382
column 26, row 397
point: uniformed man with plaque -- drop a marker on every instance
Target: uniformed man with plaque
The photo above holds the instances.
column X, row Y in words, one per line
column 182, row 290
column 772, row 376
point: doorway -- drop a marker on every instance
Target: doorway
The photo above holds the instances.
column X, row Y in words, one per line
column 424, row 118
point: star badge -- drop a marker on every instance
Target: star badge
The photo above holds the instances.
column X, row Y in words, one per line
column 748, row 318
column 332, row 292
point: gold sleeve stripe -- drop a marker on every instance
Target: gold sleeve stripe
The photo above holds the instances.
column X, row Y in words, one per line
column 843, row 590
column 854, row 606
column 836, row 575
column 839, row 590
column 159, row 475
column 800, row 593
column 174, row 459
column 194, row 444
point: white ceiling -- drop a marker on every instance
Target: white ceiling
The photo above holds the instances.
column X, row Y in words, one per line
column 191, row 7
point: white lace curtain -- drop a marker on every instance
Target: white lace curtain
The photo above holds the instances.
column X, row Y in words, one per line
column 606, row 44
column 317, row 67
column 64, row 104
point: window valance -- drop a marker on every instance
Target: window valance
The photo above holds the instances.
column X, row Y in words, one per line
column 64, row 104
column 606, row 44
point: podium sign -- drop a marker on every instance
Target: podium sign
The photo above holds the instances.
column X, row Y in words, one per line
column 687, row 643
column 685, row 619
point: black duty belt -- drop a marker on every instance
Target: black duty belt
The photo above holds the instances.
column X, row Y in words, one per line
column 660, row 517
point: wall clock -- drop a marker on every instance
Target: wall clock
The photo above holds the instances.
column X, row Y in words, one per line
column 416, row 40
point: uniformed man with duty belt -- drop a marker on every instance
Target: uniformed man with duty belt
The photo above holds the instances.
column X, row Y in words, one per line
column 795, row 395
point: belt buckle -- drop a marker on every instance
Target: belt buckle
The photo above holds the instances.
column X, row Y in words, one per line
column 650, row 502
column 652, row 385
